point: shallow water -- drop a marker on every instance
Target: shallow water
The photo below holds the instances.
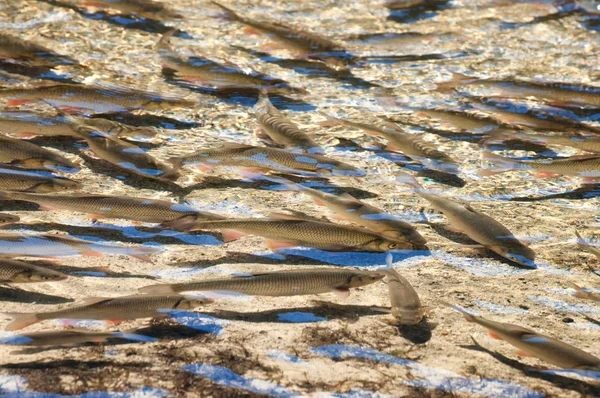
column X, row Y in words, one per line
column 282, row 346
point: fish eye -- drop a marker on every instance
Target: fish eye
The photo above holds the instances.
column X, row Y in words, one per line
column 392, row 245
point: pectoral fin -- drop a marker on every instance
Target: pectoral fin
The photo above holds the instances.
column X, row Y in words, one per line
column 342, row 292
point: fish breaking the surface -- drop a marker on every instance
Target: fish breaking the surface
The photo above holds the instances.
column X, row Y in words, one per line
column 288, row 231
column 112, row 309
column 531, row 343
column 16, row 271
column 281, row 283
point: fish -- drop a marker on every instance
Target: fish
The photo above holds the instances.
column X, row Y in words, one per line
column 8, row 218
column 107, row 206
column 480, row 227
column 406, row 305
column 201, row 71
column 585, row 166
column 92, row 98
column 283, row 230
column 559, row 94
column 141, row 8
column 30, row 156
column 297, row 282
column 585, row 294
column 349, row 208
column 57, row 245
column 69, row 338
column 281, row 129
column 16, row 49
column 583, row 245
column 531, row 343
column 123, row 154
column 16, row 271
column 16, row 179
column 458, row 121
column 409, row 144
column 582, row 142
column 113, row 128
column 301, row 43
column 254, row 159
column 112, row 309
column 26, row 124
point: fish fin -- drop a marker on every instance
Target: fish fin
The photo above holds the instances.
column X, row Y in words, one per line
column 347, row 196
column 26, row 135
column 228, row 11
column 342, row 292
column 279, row 244
column 95, row 300
column 453, row 228
column 236, row 145
column 133, row 337
column 20, row 320
column 176, row 161
column 251, row 31
column 339, row 217
column 500, row 164
column 142, row 257
column 231, row 235
column 319, row 202
column 17, row 102
column 115, row 321
column 381, row 309
column 494, row 335
column 48, row 208
column 522, row 353
column 91, row 254
column 468, row 317
column 285, row 216
column 251, row 172
column 580, row 292
column 457, row 79
column 157, row 289
column 543, row 174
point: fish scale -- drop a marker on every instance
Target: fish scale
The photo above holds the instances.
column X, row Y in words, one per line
column 11, row 270
column 241, row 155
column 139, row 209
column 281, row 283
column 327, row 236
column 14, row 179
column 29, row 155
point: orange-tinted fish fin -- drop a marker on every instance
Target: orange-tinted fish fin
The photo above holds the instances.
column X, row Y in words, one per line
column 251, row 172
column 494, row 335
column 542, row 174
column 115, row 321
column 342, row 292
column 91, row 254
column 279, row 244
column 284, row 216
column 319, row 202
column 47, row 207
column 26, row 135
column 393, row 148
column 231, row 235
column 339, row 217
column 522, row 353
column 251, row 31
column 17, row 102
column 203, row 168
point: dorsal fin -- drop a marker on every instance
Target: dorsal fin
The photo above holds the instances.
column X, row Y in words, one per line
column 347, row 196
column 285, row 216
column 235, row 145
column 94, row 300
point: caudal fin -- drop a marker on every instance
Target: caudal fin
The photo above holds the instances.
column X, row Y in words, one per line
column 157, row 289
column 499, row 163
column 186, row 223
column 20, row 320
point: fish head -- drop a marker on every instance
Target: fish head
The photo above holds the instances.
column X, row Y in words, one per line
column 520, row 254
column 31, row 276
column 189, row 303
column 408, row 316
column 365, row 278
column 406, row 236
column 57, row 165
column 383, row 244
column 58, row 185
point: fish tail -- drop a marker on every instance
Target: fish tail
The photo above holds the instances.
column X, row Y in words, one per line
column 500, row 164
column 133, row 337
column 468, row 317
column 407, row 179
column 457, row 79
column 20, row 320
column 177, row 163
column 185, row 223
column 228, row 12
column 164, row 43
column 580, row 293
column 158, row 289
column 329, row 120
